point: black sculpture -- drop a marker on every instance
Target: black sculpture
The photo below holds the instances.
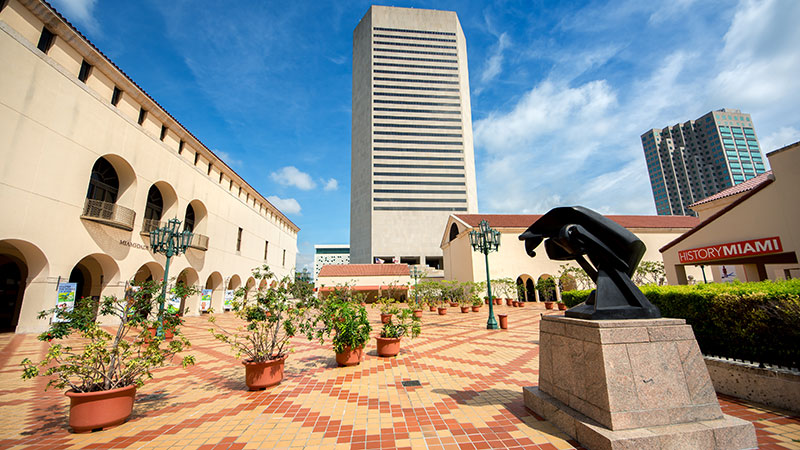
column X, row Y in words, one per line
column 571, row 232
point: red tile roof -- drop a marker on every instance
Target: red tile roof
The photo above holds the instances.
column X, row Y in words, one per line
column 525, row 220
column 363, row 270
column 748, row 185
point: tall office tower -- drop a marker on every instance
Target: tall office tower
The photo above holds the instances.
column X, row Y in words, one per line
column 696, row 159
column 412, row 156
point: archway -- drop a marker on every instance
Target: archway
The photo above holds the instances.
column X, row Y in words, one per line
column 195, row 217
column 530, row 290
column 13, row 273
column 187, row 277
column 149, row 272
column 234, row 282
column 520, row 285
column 92, row 274
column 453, row 232
column 214, row 283
column 20, row 263
column 249, row 286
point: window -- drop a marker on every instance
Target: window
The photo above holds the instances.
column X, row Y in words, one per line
column 283, row 261
column 266, row 249
column 209, row 169
column 46, row 40
column 154, row 207
column 196, row 157
column 103, row 182
column 239, row 240
column 142, row 115
column 116, row 96
column 188, row 219
column 86, row 70
column 163, row 132
column 230, row 185
column 220, row 177
column 180, row 146
column 240, row 191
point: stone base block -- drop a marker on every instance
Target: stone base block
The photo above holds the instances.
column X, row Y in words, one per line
column 726, row 433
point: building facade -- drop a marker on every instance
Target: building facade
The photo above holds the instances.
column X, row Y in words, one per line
column 330, row 255
column 748, row 232
column 91, row 163
column 412, row 148
column 691, row 161
column 462, row 263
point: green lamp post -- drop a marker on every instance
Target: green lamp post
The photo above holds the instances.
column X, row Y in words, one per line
column 486, row 240
column 171, row 242
column 415, row 274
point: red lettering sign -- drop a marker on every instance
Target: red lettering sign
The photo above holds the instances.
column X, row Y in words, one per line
column 752, row 247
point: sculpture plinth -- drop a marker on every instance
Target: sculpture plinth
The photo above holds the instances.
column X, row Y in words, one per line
column 640, row 383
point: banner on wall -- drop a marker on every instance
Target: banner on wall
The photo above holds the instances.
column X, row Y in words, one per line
column 228, row 305
column 727, row 274
column 173, row 305
column 66, row 298
column 205, row 300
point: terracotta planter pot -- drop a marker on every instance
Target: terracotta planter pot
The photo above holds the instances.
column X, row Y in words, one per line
column 97, row 410
column 385, row 318
column 418, row 313
column 168, row 334
column 465, row 309
column 514, row 303
column 562, row 307
column 509, row 302
column 548, row 305
column 486, row 301
column 261, row 375
column 350, row 356
column 503, row 319
column 442, row 311
column 476, row 309
column 498, row 301
column 432, row 308
column 521, row 304
column 388, row 346
column 453, row 304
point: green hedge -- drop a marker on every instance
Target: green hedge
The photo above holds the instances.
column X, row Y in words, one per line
column 758, row 322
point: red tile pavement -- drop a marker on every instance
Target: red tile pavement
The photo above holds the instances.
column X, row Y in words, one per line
column 470, row 397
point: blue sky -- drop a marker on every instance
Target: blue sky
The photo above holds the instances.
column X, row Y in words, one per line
column 561, row 90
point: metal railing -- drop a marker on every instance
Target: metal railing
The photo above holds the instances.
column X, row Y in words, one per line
column 149, row 225
column 109, row 214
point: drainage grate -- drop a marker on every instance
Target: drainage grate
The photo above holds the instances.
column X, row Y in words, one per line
column 408, row 383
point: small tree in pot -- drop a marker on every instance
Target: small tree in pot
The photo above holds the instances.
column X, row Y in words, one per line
column 101, row 370
column 271, row 319
column 402, row 324
column 345, row 323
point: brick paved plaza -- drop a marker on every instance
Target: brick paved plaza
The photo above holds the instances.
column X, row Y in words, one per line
column 470, row 397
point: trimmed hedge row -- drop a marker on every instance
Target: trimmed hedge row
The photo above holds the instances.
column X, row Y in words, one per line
column 757, row 322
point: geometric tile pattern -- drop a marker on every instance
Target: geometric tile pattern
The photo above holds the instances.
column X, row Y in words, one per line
column 469, row 397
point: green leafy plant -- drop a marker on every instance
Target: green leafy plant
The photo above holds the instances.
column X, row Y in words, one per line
column 402, row 324
column 571, row 278
column 650, row 272
column 91, row 359
column 387, row 305
column 343, row 321
column 271, row 318
column 546, row 288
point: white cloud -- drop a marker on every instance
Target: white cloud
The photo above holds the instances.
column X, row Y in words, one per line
column 291, row 176
column 331, row 184
column 79, row 12
column 494, row 65
column 285, row 205
column 227, row 158
column 779, row 139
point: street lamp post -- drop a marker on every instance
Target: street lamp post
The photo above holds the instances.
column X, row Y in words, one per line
column 415, row 273
column 486, row 240
column 171, row 242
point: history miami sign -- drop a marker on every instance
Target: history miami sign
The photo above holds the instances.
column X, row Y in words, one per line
column 762, row 246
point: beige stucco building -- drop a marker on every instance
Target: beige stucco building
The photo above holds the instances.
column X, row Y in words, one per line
column 91, row 163
column 748, row 232
column 370, row 280
column 412, row 148
column 510, row 261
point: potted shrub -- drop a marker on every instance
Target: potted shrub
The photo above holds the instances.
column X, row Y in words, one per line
column 402, row 324
column 562, row 306
column 442, row 307
column 387, row 307
column 476, row 303
column 270, row 320
column 346, row 324
column 102, row 371
column 546, row 288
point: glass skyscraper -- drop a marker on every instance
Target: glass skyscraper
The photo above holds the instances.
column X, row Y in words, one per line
column 691, row 161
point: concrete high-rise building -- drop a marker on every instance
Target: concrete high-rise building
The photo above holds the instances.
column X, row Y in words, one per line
column 690, row 161
column 412, row 155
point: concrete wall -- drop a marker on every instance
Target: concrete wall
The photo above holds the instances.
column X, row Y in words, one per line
column 772, row 387
column 53, row 128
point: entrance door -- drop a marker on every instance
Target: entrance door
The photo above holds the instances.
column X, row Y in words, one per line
column 11, row 289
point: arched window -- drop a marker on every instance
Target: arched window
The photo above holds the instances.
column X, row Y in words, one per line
column 453, row 232
column 188, row 220
column 103, row 182
column 155, row 204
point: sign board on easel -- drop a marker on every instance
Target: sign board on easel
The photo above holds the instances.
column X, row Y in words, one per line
column 66, row 298
column 205, row 300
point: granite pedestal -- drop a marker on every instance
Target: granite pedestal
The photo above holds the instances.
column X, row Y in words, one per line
column 630, row 384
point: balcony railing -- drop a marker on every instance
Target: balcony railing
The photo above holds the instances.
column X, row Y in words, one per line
column 109, row 214
column 199, row 241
